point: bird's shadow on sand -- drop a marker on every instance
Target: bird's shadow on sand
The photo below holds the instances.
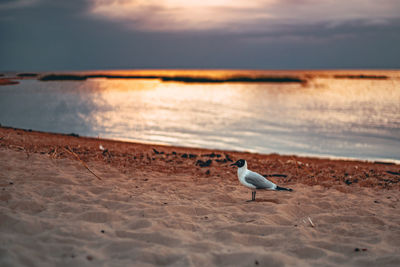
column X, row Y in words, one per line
column 271, row 200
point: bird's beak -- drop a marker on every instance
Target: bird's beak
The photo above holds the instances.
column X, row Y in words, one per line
column 234, row 164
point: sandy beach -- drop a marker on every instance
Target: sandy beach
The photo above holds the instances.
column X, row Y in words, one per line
column 66, row 202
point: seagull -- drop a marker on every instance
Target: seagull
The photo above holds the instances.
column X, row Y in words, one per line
column 254, row 180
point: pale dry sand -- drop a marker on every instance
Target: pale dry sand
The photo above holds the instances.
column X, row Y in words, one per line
column 54, row 212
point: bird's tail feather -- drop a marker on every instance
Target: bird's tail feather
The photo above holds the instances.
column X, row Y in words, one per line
column 283, row 189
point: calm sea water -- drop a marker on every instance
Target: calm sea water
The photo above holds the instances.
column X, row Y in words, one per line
column 356, row 118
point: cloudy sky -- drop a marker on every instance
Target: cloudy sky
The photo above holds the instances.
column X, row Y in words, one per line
column 39, row 35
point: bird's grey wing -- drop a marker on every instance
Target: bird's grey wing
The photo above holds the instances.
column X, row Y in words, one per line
column 258, row 181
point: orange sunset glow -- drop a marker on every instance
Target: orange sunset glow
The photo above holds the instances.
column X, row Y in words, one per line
column 178, row 15
column 200, row 133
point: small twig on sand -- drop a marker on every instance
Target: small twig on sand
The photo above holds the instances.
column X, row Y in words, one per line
column 19, row 147
column 83, row 163
column 312, row 224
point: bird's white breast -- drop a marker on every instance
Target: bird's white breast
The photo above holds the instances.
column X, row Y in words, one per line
column 241, row 175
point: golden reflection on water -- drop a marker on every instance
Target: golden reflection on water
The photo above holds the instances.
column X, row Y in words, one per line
column 325, row 114
column 152, row 108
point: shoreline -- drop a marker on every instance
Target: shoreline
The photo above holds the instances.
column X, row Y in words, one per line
column 380, row 174
column 387, row 161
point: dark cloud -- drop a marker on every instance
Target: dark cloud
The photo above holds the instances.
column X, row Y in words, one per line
column 62, row 35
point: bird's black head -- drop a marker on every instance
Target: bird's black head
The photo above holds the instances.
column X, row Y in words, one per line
column 240, row 163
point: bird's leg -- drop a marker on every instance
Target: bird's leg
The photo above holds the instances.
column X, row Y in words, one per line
column 253, row 196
